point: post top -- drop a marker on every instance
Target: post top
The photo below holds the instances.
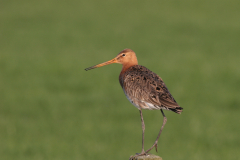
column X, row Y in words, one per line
column 147, row 157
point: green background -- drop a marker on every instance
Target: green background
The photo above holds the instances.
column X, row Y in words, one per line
column 50, row 108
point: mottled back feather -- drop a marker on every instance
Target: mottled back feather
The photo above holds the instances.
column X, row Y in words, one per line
column 146, row 90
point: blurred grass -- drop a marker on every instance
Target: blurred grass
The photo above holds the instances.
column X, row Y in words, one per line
column 50, row 108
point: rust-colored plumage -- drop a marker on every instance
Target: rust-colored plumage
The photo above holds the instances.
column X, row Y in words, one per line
column 143, row 88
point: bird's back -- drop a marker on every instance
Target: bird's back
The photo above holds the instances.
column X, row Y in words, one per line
column 146, row 90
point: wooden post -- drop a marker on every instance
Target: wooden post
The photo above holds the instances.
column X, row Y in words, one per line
column 147, row 157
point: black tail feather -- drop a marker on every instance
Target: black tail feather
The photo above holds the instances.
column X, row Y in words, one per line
column 176, row 109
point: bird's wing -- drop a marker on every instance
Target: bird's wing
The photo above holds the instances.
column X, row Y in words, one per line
column 142, row 84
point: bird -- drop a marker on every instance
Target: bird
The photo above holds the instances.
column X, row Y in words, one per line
column 144, row 89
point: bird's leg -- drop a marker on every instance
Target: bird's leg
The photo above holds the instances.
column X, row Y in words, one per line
column 143, row 129
column 155, row 143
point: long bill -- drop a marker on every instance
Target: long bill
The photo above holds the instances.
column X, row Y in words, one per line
column 114, row 60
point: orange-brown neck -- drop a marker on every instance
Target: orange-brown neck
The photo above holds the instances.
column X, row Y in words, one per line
column 126, row 66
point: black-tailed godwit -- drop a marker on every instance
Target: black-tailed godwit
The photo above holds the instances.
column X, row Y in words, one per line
column 144, row 89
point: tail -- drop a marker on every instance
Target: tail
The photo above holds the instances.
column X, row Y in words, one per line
column 176, row 109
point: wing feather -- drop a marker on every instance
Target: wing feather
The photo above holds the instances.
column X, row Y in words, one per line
column 145, row 86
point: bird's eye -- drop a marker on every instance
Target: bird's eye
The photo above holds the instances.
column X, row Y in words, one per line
column 123, row 55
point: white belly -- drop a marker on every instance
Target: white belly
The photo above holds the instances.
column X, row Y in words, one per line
column 141, row 104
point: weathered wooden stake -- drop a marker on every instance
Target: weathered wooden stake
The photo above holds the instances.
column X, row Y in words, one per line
column 147, row 157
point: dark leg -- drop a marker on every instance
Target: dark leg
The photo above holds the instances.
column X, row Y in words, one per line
column 155, row 143
column 143, row 129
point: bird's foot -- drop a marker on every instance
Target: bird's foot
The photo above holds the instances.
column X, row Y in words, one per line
column 137, row 155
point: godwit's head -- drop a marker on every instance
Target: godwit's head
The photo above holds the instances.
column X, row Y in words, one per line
column 127, row 58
